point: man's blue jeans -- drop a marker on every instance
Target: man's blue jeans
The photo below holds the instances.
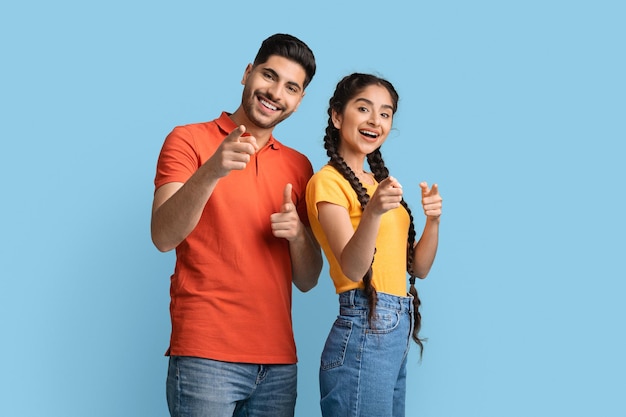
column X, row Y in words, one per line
column 202, row 387
column 363, row 367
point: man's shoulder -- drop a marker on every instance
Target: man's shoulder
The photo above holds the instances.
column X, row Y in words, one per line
column 197, row 132
column 198, row 126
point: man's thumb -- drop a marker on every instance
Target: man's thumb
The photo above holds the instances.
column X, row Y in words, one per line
column 287, row 200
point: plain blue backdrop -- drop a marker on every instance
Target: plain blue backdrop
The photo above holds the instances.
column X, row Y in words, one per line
column 516, row 108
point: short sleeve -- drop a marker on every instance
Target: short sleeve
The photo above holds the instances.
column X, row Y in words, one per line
column 178, row 159
column 327, row 185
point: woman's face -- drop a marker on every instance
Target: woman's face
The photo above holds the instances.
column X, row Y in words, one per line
column 365, row 122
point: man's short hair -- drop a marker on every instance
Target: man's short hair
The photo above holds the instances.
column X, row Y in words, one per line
column 289, row 47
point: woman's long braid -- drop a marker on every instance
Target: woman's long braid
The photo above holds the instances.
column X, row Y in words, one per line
column 417, row 316
column 380, row 171
column 331, row 140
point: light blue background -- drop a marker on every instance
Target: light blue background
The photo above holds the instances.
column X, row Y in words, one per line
column 516, row 108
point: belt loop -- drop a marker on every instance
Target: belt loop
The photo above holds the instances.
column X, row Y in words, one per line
column 352, row 293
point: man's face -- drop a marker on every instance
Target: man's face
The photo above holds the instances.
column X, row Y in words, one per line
column 272, row 91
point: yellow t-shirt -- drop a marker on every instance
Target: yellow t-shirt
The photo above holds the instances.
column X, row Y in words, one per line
column 389, row 268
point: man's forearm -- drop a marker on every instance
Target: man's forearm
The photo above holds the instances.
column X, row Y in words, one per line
column 306, row 261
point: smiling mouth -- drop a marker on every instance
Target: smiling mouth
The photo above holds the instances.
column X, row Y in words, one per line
column 369, row 134
column 268, row 105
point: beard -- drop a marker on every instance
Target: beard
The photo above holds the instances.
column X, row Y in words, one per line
column 250, row 107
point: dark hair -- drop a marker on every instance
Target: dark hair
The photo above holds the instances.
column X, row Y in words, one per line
column 346, row 90
column 289, row 47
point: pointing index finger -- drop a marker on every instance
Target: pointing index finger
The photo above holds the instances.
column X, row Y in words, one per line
column 236, row 134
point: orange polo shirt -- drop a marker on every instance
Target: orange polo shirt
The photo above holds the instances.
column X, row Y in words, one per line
column 231, row 287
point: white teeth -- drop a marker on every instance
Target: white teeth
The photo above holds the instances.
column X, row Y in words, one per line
column 368, row 133
column 268, row 105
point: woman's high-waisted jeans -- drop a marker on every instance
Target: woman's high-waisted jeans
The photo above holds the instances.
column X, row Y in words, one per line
column 363, row 367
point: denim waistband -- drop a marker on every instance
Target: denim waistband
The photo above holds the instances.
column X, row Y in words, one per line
column 353, row 298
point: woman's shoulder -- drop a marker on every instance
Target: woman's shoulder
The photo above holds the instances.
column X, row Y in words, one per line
column 328, row 174
column 328, row 171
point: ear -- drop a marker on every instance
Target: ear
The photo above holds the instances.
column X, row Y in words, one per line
column 337, row 119
column 246, row 73
column 299, row 101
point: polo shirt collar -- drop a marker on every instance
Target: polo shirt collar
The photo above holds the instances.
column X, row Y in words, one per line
column 227, row 125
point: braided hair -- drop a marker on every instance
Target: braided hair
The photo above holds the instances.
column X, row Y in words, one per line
column 347, row 89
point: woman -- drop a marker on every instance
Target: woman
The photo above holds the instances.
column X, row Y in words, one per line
column 366, row 231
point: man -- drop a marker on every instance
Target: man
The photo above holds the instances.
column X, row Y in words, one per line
column 230, row 199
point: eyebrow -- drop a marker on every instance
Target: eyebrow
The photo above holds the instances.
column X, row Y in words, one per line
column 275, row 74
column 388, row 106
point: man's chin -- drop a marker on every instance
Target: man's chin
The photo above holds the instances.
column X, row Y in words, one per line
column 268, row 122
column 265, row 124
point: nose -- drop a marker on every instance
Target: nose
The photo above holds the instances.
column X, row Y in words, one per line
column 374, row 119
column 273, row 92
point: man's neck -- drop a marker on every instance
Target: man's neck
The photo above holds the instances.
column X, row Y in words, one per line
column 261, row 135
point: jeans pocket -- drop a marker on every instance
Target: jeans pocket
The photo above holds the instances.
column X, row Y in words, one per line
column 384, row 321
column 336, row 345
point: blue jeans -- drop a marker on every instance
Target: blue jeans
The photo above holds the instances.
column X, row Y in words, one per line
column 202, row 387
column 363, row 367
